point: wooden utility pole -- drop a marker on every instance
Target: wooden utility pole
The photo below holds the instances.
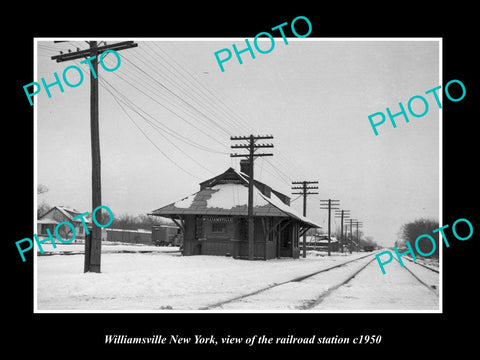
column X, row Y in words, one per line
column 343, row 214
column 349, row 242
column 93, row 246
column 305, row 191
column 351, row 233
column 251, row 146
column 93, row 263
column 358, row 224
column 329, row 205
column 347, row 239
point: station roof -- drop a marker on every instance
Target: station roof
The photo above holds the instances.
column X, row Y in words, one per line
column 230, row 198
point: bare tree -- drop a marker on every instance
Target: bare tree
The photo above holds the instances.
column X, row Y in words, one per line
column 42, row 209
column 41, row 189
column 133, row 222
column 412, row 230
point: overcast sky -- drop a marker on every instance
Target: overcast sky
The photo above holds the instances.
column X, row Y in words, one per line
column 314, row 97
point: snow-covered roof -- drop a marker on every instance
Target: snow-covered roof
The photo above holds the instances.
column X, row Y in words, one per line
column 229, row 199
column 69, row 209
column 47, row 221
column 129, row 230
column 321, row 239
column 68, row 212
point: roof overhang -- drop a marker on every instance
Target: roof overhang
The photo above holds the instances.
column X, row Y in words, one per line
column 223, row 200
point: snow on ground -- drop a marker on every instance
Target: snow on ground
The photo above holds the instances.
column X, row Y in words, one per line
column 295, row 295
column 429, row 277
column 141, row 277
column 372, row 290
column 160, row 279
column 107, row 247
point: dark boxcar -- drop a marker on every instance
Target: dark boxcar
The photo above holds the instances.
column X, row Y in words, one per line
column 166, row 235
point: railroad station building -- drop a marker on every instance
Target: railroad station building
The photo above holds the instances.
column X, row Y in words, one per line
column 214, row 220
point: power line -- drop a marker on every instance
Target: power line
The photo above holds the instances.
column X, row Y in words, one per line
column 170, row 110
column 172, row 82
column 281, row 174
column 155, row 123
column 184, row 87
column 123, row 99
column 240, row 122
column 165, row 128
column 210, row 91
column 180, row 98
column 298, row 197
column 152, row 142
column 165, row 137
column 180, row 85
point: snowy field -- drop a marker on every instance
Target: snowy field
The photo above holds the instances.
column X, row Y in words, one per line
column 149, row 278
column 160, row 279
column 394, row 290
column 107, row 247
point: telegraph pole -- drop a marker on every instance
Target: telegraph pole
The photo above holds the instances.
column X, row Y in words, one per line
column 305, row 191
column 358, row 224
column 343, row 214
column 251, row 146
column 329, row 205
column 93, row 248
column 352, row 221
column 349, row 242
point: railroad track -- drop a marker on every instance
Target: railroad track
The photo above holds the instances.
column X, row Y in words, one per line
column 313, row 303
column 421, row 279
column 299, row 279
column 410, row 298
column 306, row 292
column 421, row 264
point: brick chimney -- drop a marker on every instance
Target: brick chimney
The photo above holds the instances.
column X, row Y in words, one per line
column 245, row 166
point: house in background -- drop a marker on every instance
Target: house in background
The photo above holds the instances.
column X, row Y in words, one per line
column 214, row 220
column 58, row 214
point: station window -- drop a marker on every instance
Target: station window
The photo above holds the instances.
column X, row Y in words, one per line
column 219, row 227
